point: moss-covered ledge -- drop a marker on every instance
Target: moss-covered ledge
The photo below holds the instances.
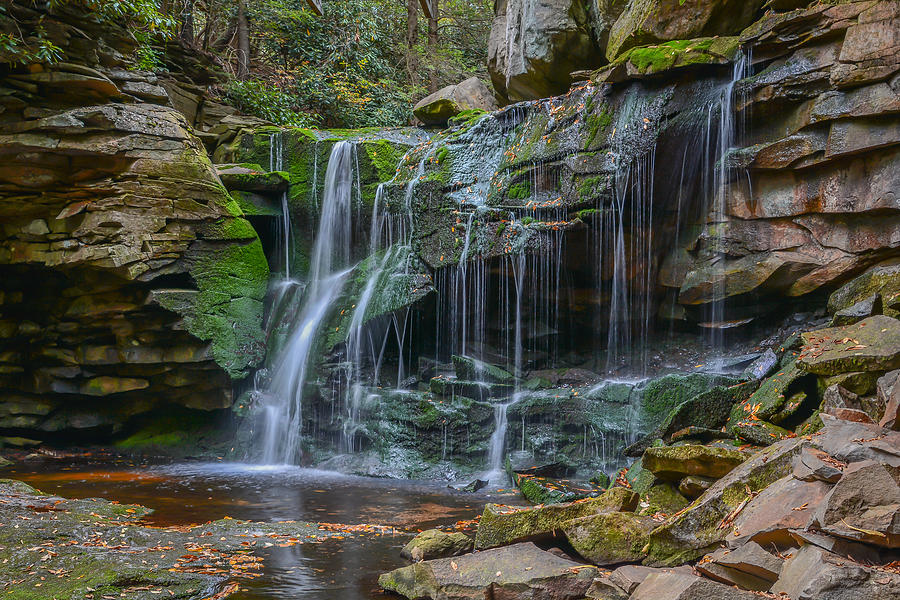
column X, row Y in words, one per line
column 678, row 54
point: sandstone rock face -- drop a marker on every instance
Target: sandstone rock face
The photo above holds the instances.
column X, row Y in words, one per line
column 535, row 45
column 437, row 108
column 128, row 276
column 815, row 206
column 652, row 21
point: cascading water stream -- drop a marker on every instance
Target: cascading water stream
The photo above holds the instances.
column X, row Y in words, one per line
column 728, row 131
column 283, row 404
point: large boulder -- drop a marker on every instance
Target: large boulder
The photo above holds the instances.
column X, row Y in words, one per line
column 653, row 21
column 447, row 102
column 434, row 543
column 872, row 344
column 864, row 505
column 815, row 574
column 610, row 538
column 501, row 525
column 518, row 572
column 535, row 44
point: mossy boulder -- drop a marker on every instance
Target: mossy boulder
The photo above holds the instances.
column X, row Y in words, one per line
column 760, row 433
column 675, row 462
column 639, row 478
column 663, row 394
column 450, row 101
column 501, row 525
column 434, row 543
column 872, row 344
column 610, row 538
column 699, row 529
column 708, row 410
column 860, row 383
column 662, row 498
column 547, row 490
column 472, row 369
column 882, row 279
column 771, row 402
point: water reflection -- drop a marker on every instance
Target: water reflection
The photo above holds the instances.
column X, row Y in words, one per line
column 345, row 567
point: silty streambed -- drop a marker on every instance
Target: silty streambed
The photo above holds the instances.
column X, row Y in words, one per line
column 342, row 567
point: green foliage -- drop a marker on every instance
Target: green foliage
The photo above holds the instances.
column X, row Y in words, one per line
column 142, row 17
column 520, row 191
column 352, row 64
column 267, row 102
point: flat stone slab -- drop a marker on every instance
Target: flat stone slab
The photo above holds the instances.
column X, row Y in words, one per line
column 629, row 577
column 521, row 571
column 786, row 504
column 872, row 344
column 681, row 586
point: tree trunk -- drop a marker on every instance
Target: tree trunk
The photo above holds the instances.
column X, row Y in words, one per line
column 243, row 43
column 208, row 26
column 187, row 22
column 412, row 37
column 432, row 47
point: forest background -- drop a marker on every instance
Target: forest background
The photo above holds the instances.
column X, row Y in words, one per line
column 362, row 63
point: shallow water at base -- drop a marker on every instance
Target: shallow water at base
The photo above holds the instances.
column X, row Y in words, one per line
column 190, row 493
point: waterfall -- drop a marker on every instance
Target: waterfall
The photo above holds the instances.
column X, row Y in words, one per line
column 728, row 132
column 283, row 404
column 389, row 235
column 276, row 163
column 498, row 439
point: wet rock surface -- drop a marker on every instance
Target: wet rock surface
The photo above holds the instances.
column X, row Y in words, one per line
column 521, row 571
column 55, row 547
column 435, row 543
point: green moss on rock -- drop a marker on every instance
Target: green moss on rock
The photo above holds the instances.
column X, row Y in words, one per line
column 674, row 462
column 610, row 538
column 227, row 309
column 501, row 525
